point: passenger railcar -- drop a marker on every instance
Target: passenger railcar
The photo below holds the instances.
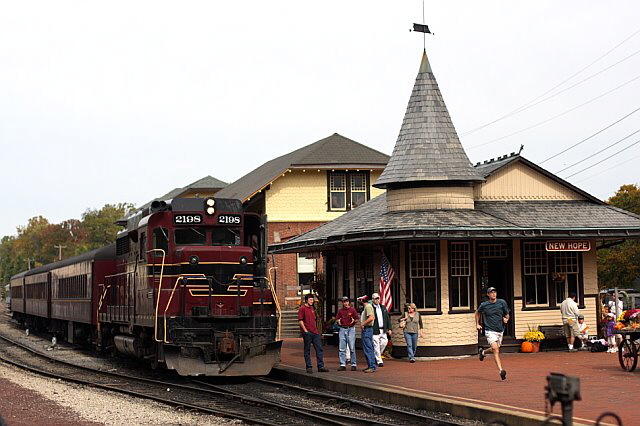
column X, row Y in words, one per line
column 184, row 287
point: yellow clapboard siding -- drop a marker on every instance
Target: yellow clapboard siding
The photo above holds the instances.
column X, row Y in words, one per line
column 302, row 197
column 520, row 182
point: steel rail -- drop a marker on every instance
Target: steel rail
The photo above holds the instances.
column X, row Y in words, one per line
column 333, row 418
column 372, row 407
column 225, row 397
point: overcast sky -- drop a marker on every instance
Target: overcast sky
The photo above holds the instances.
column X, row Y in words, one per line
column 106, row 102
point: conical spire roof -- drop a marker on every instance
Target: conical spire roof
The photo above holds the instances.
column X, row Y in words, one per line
column 428, row 148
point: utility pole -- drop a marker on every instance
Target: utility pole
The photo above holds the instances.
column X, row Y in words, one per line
column 29, row 262
column 60, row 251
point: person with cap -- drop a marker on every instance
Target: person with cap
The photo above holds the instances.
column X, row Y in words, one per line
column 381, row 328
column 569, row 311
column 496, row 314
column 584, row 332
column 366, row 336
column 346, row 318
column 310, row 334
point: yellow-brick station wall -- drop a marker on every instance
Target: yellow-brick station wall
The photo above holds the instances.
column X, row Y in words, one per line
column 301, row 196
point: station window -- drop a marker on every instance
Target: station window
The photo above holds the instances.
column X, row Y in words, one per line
column 536, row 274
column 566, row 271
column 347, row 190
column 549, row 277
column 460, row 281
column 423, row 275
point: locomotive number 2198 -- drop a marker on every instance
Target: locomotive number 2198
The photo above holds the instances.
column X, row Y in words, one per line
column 229, row 219
column 181, row 219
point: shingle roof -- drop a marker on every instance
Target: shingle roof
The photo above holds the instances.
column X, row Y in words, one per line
column 489, row 166
column 207, row 182
column 489, row 219
column 427, row 148
column 335, row 150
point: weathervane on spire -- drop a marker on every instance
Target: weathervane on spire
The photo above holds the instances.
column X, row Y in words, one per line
column 422, row 28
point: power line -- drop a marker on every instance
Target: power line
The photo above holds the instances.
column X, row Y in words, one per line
column 604, row 159
column 602, row 150
column 589, row 137
column 609, row 168
column 556, row 116
column 528, row 104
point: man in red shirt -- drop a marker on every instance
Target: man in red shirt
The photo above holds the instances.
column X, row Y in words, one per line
column 310, row 334
column 347, row 318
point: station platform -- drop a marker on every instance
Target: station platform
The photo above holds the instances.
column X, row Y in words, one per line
column 466, row 387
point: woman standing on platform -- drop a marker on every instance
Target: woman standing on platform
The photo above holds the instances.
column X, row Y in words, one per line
column 411, row 324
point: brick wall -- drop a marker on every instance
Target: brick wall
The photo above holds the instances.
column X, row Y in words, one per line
column 286, row 272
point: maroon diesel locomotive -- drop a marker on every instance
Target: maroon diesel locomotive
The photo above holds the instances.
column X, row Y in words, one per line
column 184, row 287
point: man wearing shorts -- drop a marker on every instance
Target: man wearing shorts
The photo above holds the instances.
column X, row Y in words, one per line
column 570, row 312
column 496, row 314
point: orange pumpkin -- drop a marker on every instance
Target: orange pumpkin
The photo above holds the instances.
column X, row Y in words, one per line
column 526, row 347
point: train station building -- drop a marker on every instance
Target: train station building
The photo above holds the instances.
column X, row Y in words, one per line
column 300, row 191
column 451, row 229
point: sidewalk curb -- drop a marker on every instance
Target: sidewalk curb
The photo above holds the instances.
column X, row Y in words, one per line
column 408, row 399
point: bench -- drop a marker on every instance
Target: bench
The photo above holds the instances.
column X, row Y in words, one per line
column 553, row 336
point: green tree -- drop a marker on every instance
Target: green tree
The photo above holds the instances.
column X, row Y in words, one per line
column 99, row 225
column 36, row 242
column 619, row 266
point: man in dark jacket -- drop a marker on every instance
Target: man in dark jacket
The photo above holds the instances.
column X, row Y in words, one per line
column 381, row 328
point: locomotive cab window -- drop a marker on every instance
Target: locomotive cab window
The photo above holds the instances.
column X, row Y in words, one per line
column 225, row 237
column 190, row 237
column 161, row 240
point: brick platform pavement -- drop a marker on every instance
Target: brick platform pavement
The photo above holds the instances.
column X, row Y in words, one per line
column 604, row 385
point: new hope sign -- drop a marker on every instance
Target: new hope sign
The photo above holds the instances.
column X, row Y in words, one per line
column 580, row 245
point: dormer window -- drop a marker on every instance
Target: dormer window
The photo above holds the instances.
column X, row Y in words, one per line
column 347, row 189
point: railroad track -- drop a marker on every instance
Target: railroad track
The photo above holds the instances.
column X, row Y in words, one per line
column 359, row 412
column 203, row 399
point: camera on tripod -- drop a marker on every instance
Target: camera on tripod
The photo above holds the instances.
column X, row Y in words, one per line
column 561, row 388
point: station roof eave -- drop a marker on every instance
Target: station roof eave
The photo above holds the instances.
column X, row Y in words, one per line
column 489, row 220
column 307, row 246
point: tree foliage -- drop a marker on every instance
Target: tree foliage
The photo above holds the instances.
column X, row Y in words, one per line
column 619, row 266
column 38, row 242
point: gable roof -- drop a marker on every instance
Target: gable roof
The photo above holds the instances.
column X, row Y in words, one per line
column 207, row 182
column 333, row 151
column 427, row 148
column 487, row 168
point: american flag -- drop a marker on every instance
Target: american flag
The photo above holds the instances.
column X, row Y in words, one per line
column 386, row 276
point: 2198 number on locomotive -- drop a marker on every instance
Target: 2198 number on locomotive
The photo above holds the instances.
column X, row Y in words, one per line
column 186, row 219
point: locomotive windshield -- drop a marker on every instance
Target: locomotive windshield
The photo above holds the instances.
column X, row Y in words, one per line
column 190, row 237
column 225, row 237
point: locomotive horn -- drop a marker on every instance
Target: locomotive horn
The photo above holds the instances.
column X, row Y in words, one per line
column 158, row 206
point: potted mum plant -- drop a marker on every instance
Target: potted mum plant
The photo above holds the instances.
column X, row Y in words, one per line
column 532, row 340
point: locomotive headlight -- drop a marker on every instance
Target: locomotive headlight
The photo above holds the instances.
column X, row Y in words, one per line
column 243, row 260
column 209, row 205
column 193, row 260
